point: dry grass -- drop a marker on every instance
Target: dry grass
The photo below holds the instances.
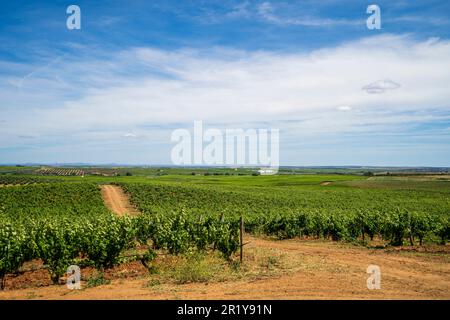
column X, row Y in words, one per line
column 197, row 267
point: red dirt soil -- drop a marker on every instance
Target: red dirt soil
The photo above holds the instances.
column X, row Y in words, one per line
column 117, row 201
column 326, row 270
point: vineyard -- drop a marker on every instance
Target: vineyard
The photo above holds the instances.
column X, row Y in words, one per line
column 11, row 180
column 340, row 214
column 67, row 222
column 59, row 172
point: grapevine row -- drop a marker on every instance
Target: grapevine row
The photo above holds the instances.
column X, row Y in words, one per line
column 101, row 241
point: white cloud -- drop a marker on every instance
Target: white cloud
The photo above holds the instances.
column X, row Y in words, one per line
column 344, row 108
column 130, row 135
column 126, row 91
column 227, row 85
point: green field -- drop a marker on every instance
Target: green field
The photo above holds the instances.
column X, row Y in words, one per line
column 62, row 220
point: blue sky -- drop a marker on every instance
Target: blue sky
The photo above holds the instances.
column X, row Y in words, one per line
column 113, row 92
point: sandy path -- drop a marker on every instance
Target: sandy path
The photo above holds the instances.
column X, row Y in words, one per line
column 323, row 270
column 117, row 201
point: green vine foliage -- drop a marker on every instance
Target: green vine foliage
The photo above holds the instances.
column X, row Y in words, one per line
column 62, row 223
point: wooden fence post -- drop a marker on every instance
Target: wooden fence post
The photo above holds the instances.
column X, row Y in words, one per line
column 241, row 235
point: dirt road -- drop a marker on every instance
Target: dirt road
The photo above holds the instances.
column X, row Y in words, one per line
column 311, row 270
column 117, row 201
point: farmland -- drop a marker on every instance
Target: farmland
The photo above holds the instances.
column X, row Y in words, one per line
column 57, row 221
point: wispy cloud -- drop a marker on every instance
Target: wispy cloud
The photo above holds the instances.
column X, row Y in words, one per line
column 107, row 21
column 267, row 12
column 130, row 135
column 427, row 20
column 381, row 86
column 19, row 83
column 305, row 14
column 240, row 10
